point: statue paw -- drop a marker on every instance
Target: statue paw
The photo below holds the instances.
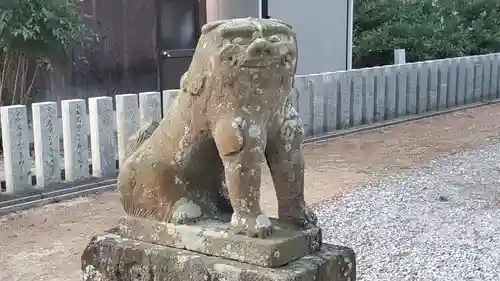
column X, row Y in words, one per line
column 305, row 218
column 253, row 226
column 185, row 212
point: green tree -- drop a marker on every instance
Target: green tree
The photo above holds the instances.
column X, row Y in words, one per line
column 427, row 29
column 34, row 34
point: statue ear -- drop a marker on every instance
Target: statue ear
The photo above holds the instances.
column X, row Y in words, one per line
column 193, row 85
column 211, row 26
column 282, row 22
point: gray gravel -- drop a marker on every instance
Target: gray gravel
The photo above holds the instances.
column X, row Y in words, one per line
column 438, row 222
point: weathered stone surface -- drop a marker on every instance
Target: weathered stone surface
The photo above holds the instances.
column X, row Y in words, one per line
column 102, row 137
column 47, row 148
column 76, row 145
column 357, row 94
column 233, row 112
column 215, row 238
column 109, row 257
column 169, row 97
column 17, row 161
column 127, row 121
column 401, row 82
column 369, row 95
column 345, row 81
column 149, row 107
column 380, row 78
column 331, row 84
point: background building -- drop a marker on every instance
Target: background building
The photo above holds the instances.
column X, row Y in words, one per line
column 147, row 45
column 323, row 27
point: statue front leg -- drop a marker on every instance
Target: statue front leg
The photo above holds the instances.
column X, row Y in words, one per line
column 286, row 164
column 240, row 145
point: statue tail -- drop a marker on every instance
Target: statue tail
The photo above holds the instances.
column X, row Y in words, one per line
column 140, row 137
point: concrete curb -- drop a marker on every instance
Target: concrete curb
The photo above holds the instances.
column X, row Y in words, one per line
column 49, row 197
column 55, row 199
column 341, row 133
column 58, row 193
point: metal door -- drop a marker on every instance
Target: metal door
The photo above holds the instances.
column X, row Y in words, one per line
column 179, row 27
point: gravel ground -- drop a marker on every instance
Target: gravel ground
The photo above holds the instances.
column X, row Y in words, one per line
column 438, row 222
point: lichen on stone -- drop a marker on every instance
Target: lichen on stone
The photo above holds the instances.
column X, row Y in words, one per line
column 91, row 274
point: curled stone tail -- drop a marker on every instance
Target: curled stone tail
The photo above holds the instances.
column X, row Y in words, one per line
column 140, row 137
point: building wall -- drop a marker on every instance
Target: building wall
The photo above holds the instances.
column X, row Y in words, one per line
column 322, row 31
column 227, row 9
column 323, row 27
column 124, row 60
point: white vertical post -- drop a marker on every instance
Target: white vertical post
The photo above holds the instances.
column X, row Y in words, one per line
column 149, row 107
column 399, row 56
column 102, row 136
column 15, row 142
column 317, row 104
column 344, row 109
column 127, row 120
column 46, row 137
column 76, row 151
column 169, row 97
column 230, row 9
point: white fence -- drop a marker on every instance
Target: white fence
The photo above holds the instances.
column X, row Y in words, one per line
column 326, row 102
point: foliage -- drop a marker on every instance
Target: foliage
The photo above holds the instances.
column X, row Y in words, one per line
column 34, row 34
column 426, row 29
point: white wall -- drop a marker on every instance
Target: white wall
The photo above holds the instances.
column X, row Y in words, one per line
column 323, row 27
column 227, row 9
column 324, row 32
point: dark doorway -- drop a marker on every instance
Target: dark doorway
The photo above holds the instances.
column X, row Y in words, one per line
column 179, row 27
column 264, row 5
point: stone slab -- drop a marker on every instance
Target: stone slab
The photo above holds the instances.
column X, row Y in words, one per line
column 75, row 141
column 215, row 238
column 17, row 161
column 109, row 257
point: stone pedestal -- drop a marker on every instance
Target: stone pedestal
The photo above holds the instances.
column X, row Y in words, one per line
column 110, row 257
column 214, row 238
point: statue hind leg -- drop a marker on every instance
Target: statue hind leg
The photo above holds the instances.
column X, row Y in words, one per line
column 152, row 193
column 205, row 181
column 149, row 188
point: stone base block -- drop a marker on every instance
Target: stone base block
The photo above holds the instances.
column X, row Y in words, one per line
column 214, row 238
column 109, row 257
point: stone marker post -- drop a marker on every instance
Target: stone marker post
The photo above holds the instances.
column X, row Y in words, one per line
column 235, row 103
column 46, row 138
column 102, row 136
column 15, row 143
column 399, row 56
column 127, row 121
column 169, row 97
column 149, row 107
column 76, row 147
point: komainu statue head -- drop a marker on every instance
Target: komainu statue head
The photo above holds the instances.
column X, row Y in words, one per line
column 254, row 56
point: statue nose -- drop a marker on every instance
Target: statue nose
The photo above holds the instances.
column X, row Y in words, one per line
column 260, row 47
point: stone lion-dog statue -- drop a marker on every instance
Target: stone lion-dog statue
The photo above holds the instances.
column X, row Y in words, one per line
column 233, row 112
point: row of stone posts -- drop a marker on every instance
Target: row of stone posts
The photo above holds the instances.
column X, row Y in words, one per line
column 109, row 131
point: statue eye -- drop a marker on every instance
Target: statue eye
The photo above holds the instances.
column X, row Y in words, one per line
column 240, row 41
column 273, row 39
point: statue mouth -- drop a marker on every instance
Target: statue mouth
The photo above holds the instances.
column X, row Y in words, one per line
column 257, row 66
column 280, row 63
